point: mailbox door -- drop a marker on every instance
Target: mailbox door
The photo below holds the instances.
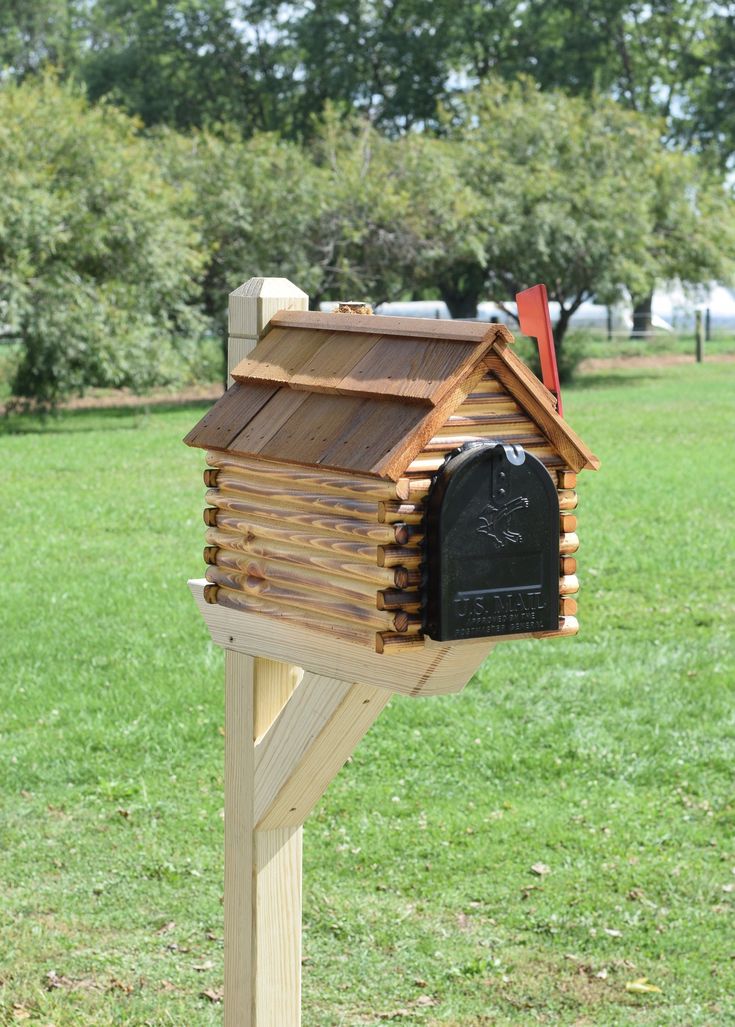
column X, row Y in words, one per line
column 492, row 545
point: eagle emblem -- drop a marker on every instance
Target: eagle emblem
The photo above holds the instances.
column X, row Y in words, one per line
column 495, row 521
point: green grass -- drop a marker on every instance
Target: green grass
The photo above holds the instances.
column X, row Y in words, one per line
column 608, row 757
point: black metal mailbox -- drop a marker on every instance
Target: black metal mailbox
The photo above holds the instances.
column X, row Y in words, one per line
column 492, row 545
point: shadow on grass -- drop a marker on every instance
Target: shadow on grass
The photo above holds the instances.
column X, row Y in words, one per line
column 112, row 418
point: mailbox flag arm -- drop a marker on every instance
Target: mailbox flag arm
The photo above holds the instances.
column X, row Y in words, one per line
column 534, row 319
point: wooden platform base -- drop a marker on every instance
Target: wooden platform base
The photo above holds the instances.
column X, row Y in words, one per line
column 434, row 669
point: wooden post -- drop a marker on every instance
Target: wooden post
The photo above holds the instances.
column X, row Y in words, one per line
column 262, row 868
column 699, row 336
column 708, row 325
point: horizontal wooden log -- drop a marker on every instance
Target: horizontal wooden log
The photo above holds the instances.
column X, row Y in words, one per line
column 319, row 523
column 210, row 554
column 399, row 599
column 280, row 497
column 567, row 606
column 210, row 477
column 283, row 573
column 251, row 529
column 408, row 577
column 567, row 522
column 567, row 499
column 387, row 642
column 305, row 557
column 405, row 622
column 399, row 556
column 568, row 585
column 310, row 602
column 297, row 477
column 235, row 600
column 406, row 513
column 568, row 565
column 566, row 479
column 430, row 463
column 568, row 544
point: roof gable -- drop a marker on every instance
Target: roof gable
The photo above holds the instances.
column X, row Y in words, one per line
column 364, row 394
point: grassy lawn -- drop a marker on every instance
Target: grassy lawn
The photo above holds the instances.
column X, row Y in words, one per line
column 608, row 758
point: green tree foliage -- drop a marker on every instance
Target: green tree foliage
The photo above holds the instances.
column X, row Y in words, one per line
column 255, row 202
column 41, row 32
column 393, row 212
column 180, row 62
column 582, row 196
column 98, row 267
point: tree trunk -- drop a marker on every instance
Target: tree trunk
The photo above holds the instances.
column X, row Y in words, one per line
column 642, row 317
column 461, row 305
column 461, row 288
column 560, row 330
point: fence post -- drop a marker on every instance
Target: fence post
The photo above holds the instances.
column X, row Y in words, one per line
column 699, row 336
column 262, row 907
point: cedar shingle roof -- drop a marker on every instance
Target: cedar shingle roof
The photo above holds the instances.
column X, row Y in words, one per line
column 362, row 394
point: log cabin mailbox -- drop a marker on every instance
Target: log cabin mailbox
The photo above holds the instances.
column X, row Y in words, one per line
column 387, row 498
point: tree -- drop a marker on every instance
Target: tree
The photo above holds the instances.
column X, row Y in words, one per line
column 393, row 212
column 98, row 267
column 255, row 203
column 583, row 197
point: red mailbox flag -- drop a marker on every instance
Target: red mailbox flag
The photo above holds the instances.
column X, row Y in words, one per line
column 533, row 317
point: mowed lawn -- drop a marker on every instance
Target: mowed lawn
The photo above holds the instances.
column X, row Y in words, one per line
column 608, row 758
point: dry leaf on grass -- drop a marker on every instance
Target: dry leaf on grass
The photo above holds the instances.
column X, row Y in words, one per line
column 426, row 1000
column 540, row 869
column 20, row 1012
column 165, row 928
column 642, row 986
column 213, row 994
column 201, row 967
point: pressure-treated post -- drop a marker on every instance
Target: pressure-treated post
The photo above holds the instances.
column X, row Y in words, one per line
column 262, row 868
column 698, row 336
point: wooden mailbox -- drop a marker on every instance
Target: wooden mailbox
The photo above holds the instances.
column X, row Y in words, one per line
column 387, row 498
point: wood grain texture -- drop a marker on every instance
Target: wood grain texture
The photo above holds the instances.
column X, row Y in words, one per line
column 396, row 511
column 292, row 477
column 239, row 839
column 269, row 614
column 277, row 949
column 285, row 573
column 314, row 520
column 279, row 498
column 251, row 529
column 228, row 415
column 408, row 327
column 430, row 669
column 279, row 355
column 534, row 399
column 363, row 570
column 266, row 422
column 414, row 370
column 313, row 736
column 310, row 602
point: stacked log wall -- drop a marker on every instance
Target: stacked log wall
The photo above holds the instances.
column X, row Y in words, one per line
column 318, row 549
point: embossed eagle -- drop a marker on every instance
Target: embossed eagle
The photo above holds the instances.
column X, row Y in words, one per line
column 495, row 521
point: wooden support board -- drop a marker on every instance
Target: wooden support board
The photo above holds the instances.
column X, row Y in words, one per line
column 431, row 669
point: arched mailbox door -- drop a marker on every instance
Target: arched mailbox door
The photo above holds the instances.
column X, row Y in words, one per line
column 492, row 545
